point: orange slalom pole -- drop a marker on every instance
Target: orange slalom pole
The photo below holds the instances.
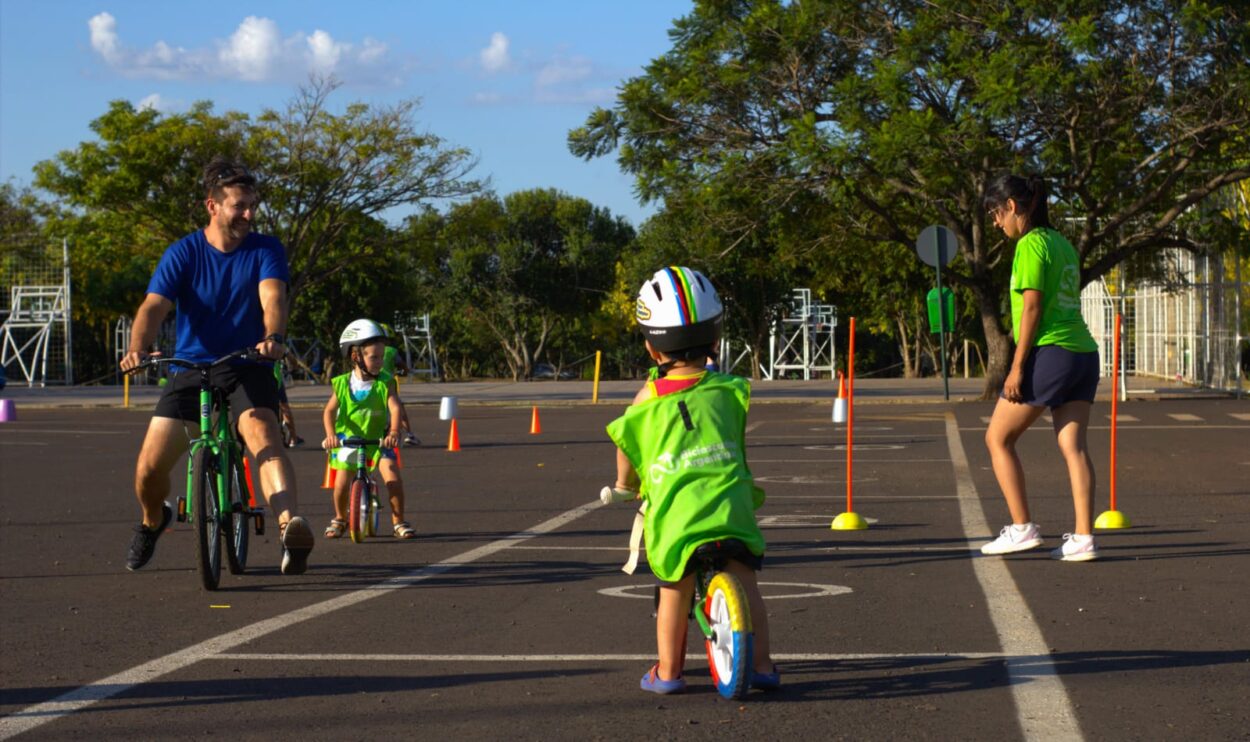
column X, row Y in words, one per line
column 850, row 413
column 850, row 520
column 1113, row 518
column 1115, row 396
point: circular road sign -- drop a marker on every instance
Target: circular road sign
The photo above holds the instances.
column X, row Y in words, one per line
column 936, row 245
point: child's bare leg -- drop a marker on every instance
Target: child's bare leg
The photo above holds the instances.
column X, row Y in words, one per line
column 394, row 489
column 763, row 660
column 342, row 482
column 672, row 621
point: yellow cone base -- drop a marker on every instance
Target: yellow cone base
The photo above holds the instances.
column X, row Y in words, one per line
column 848, row 522
column 1112, row 519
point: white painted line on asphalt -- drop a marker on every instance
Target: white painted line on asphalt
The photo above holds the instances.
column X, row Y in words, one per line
column 1185, row 417
column 1124, row 418
column 34, row 716
column 753, row 426
column 860, row 497
column 649, row 657
column 77, row 431
column 1042, row 704
column 897, row 549
column 1240, row 415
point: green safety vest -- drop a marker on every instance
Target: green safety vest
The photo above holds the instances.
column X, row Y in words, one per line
column 689, row 449
column 367, row 418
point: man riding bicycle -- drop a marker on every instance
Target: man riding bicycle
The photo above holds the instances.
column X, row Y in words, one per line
column 228, row 285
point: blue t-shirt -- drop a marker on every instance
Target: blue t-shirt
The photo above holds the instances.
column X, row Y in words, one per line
column 217, row 295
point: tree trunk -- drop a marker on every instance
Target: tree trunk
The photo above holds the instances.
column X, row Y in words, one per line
column 904, row 346
column 997, row 342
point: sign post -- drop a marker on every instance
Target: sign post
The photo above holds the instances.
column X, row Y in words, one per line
column 936, row 247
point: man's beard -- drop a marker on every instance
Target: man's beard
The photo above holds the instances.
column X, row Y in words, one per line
column 237, row 230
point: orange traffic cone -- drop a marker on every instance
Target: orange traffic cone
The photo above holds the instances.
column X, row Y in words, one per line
column 839, row 404
column 536, row 426
column 453, row 438
column 251, row 490
column 327, row 480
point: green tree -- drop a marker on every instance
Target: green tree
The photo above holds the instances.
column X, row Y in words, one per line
column 897, row 115
column 526, row 267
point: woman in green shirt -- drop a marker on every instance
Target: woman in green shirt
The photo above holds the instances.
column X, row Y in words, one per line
column 1055, row 365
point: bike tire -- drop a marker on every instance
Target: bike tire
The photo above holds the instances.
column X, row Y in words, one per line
column 356, row 514
column 235, row 526
column 206, row 517
column 730, row 649
column 371, row 511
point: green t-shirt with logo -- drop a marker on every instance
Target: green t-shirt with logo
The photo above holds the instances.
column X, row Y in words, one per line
column 689, row 448
column 1047, row 262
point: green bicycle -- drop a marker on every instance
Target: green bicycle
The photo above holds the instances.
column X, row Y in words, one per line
column 218, row 499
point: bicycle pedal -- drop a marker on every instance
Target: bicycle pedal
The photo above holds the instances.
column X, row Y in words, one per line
column 258, row 522
column 181, row 515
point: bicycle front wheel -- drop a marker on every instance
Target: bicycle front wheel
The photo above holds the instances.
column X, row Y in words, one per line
column 730, row 647
column 207, row 518
column 234, row 526
column 356, row 517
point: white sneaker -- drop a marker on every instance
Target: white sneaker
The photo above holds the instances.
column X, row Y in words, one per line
column 1076, row 548
column 1014, row 538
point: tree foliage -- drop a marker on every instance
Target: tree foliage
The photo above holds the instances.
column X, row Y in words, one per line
column 896, row 115
column 524, row 268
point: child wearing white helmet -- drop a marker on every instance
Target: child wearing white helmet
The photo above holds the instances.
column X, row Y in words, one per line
column 686, row 429
column 363, row 404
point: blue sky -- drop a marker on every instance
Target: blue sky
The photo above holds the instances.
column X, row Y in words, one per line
column 504, row 79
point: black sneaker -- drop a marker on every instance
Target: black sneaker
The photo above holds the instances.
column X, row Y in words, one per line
column 143, row 545
column 411, row 440
column 297, row 542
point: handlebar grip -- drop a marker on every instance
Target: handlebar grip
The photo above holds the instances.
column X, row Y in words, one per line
column 609, row 495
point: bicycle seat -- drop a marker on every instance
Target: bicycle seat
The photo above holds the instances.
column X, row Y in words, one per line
column 717, row 553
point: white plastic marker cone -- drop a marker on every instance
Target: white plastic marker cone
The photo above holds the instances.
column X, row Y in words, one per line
column 8, row 411
column 839, row 404
column 447, row 409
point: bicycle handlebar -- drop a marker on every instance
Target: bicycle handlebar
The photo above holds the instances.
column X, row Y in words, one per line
column 355, row 442
column 152, row 362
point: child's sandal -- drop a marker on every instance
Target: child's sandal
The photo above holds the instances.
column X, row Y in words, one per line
column 405, row 530
column 336, row 528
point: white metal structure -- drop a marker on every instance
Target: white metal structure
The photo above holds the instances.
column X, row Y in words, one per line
column 802, row 341
column 35, row 312
column 37, row 334
column 418, row 343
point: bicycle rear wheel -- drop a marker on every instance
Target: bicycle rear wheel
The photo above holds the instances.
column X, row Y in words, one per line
column 730, row 647
column 235, row 525
column 356, row 517
column 207, row 518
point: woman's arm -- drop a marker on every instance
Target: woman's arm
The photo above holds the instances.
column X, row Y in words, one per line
column 1030, row 319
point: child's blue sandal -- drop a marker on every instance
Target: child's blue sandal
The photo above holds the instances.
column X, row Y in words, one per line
column 766, row 680
column 653, row 683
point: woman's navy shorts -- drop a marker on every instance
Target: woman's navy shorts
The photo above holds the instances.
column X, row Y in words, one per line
column 1054, row 376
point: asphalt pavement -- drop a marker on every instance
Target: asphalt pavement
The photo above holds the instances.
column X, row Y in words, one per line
column 509, row 618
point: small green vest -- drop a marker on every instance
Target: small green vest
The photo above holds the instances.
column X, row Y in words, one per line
column 365, row 419
column 689, row 449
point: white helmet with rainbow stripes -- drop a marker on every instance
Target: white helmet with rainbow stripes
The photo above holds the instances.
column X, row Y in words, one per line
column 678, row 309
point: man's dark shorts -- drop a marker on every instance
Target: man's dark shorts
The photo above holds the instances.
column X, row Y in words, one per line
column 1054, row 376
column 250, row 386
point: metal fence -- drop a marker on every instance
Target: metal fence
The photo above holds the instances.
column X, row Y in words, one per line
column 1190, row 325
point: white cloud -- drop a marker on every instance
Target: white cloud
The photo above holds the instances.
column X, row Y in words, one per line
column 152, row 102
column 251, row 49
column 325, row 51
column 561, row 71
column 257, row 51
column 494, row 58
column 104, row 37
